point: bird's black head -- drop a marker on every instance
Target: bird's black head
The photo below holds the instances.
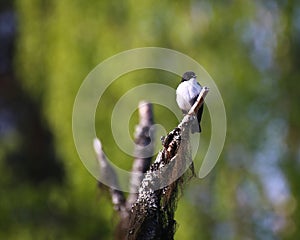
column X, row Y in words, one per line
column 188, row 75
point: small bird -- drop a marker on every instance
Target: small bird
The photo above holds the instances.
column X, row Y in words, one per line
column 187, row 93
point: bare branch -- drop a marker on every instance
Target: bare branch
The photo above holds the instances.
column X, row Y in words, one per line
column 200, row 100
column 152, row 215
column 108, row 173
column 143, row 149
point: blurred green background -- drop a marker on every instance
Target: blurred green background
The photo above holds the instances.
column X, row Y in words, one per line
column 250, row 48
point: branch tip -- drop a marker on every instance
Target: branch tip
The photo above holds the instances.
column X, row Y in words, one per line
column 200, row 100
column 97, row 146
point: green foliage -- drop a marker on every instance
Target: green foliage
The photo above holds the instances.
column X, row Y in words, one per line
column 250, row 48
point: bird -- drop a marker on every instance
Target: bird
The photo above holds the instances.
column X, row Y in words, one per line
column 187, row 93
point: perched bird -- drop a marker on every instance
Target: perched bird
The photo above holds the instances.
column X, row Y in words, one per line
column 187, row 93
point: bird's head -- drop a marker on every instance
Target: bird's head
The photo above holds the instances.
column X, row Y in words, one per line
column 188, row 76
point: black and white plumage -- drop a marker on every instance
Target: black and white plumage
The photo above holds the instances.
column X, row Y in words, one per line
column 187, row 93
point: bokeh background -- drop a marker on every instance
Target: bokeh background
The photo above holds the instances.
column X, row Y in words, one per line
column 250, row 48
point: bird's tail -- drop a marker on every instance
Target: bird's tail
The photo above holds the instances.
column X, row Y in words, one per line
column 196, row 128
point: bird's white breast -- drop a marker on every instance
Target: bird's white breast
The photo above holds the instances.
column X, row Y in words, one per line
column 185, row 92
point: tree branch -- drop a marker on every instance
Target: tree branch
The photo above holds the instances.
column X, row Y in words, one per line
column 150, row 213
column 143, row 149
column 108, row 173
